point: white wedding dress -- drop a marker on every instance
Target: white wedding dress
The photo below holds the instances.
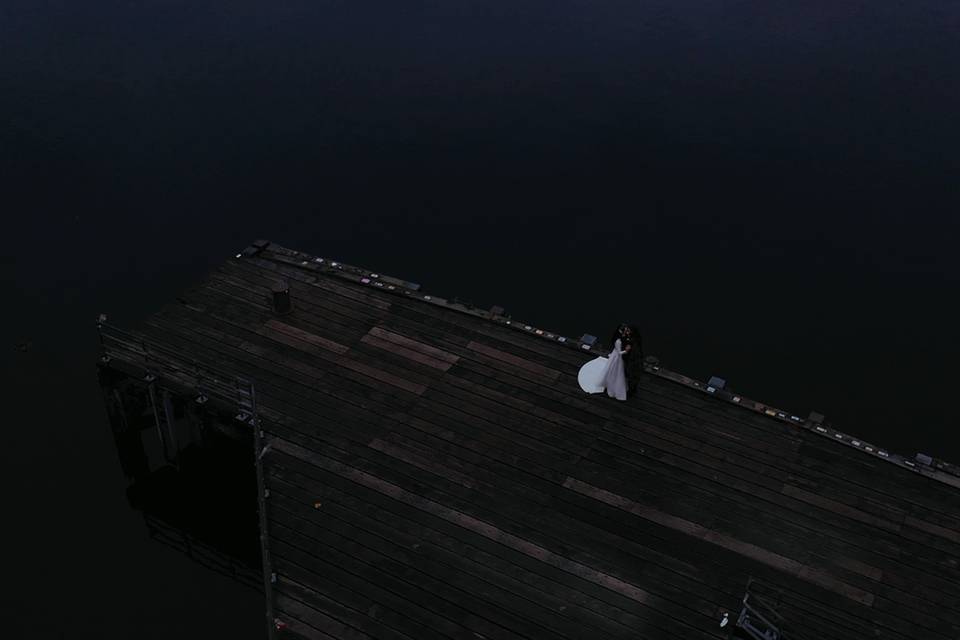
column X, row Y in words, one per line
column 605, row 374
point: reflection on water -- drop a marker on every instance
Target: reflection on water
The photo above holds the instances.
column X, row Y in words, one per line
column 203, row 501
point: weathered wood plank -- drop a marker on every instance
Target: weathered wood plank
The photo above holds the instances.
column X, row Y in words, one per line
column 655, row 605
column 299, row 557
column 421, row 462
column 467, row 522
column 548, row 602
column 414, row 345
column 516, row 361
column 310, row 622
column 382, row 376
column 293, row 585
column 486, row 608
column 950, row 534
column 746, row 549
column 405, row 353
column 306, row 336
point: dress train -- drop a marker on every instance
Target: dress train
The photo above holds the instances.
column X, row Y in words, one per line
column 605, row 374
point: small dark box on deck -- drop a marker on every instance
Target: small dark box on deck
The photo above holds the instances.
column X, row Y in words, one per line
column 281, row 299
column 716, row 383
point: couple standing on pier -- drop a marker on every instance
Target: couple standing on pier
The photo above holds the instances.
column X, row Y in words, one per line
column 616, row 374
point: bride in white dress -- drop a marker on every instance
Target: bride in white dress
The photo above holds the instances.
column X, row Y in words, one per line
column 606, row 374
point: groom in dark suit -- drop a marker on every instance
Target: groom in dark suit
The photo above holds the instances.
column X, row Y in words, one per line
column 632, row 343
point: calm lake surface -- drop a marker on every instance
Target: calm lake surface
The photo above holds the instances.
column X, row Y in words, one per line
column 768, row 189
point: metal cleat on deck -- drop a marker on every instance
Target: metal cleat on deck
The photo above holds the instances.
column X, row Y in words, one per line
column 245, row 400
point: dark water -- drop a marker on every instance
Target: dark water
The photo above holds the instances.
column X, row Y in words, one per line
column 769, row 189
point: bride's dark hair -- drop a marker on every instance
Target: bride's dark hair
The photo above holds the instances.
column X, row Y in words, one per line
column 635, row 340
column 618, row 333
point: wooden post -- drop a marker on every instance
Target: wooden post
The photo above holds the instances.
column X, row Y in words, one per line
column 281, row 298
column 155, row 405
column 173, row 454
column 198, row 421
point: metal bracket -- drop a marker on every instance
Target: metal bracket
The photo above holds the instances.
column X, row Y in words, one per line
column 264, row 450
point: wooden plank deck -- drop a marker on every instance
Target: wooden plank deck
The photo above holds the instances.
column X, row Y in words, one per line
column 433, row 474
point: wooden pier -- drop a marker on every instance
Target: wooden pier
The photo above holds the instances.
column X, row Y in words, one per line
column 427, row 470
